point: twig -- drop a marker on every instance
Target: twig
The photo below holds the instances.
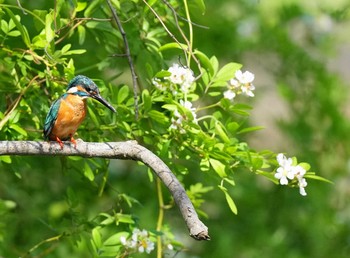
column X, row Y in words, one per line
column 188, row 43
column 182, row 18
column 16, row 102
column 117, row 150
column 128, row 55
column 169, row 32
column 20, row 6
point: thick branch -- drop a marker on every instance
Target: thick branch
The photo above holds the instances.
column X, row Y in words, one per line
column 117, row 150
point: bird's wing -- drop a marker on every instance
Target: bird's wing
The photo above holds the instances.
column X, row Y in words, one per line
column 51, row 117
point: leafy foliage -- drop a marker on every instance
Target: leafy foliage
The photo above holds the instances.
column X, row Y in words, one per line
column 194, row 129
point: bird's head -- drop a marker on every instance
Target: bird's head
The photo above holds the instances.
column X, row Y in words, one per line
column 84, row 87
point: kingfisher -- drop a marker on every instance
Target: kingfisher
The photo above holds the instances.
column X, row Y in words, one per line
column 68, row 112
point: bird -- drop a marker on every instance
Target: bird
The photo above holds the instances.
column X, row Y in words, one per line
column 68, row 111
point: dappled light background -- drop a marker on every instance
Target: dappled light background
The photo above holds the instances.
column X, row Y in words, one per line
column 299, row 52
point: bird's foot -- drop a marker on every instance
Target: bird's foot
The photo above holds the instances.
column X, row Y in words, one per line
column 72, row 140
column 59, row 142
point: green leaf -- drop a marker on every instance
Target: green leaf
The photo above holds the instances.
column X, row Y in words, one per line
column 172, row 45
column 93, row 5
column 81, row 34
column 250, row 129
column 88, row 173
column 218, row 167
column 124, row 218
column 147, row 101
column 158, row 116
column 96, row 237
column 93, row 117
column 227, row 72
column 20, row 27
column 6, row 159
column 305, row 166
column 14, row 33
column 18, row 129
column 4, row 26
column 123, row 93
column 162, row 74
column 229, row 200
column 81, row 6
column 75, row 52
column 115, row 239
column 205, row 61
column 313, row 176
column 231, row 203
column 171, row 107
column 66, row 48
column 199, row 5
column 220, row 131
column 230, row 181
column 232, row 127
column 268, row 175
column 204, row 165
column 49, row 32
column 214, row 63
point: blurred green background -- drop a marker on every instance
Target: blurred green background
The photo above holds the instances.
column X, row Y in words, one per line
column 299, row 52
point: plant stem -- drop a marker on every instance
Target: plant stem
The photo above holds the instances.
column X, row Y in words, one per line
column 188, row 17
column 160, row 217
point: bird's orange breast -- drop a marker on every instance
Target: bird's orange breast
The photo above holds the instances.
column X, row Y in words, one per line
column 71, row 114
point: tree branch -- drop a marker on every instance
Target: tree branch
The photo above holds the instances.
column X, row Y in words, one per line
column 117, row 150
column 128, row 55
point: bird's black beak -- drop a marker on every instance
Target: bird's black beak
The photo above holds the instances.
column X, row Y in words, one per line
column 103, row 101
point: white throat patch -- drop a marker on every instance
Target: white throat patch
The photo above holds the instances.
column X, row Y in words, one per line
column 72, row 90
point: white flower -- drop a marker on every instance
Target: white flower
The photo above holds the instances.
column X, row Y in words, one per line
column 139, row 241
column 146, row 245
column 123, row 240
column 288, row 171
column 285, row 171
column 244, row 78
column 299, row 173
column 159, row 84
column 302, row 185
column 241, row 83
column 176, row 122
column 229, row 94
column 234, row 83
column 181, row 76
column 247, row 89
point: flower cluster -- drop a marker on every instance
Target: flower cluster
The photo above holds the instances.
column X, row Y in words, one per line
column 139, row 241
column 180, row 77
column 180, row 80
column 288, row 171
column 177, row 121
column 242, row 83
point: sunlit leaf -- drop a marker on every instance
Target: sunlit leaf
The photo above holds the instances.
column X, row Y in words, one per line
column 18, row 129
column 115, row 239
column 218, row 167
column 96, row 237
column 6, row 159
column 173, row 45
column 123, row 93
column 312, row 176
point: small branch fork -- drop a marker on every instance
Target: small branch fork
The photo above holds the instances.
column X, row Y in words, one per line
column 128, row 55
column 118, row 150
